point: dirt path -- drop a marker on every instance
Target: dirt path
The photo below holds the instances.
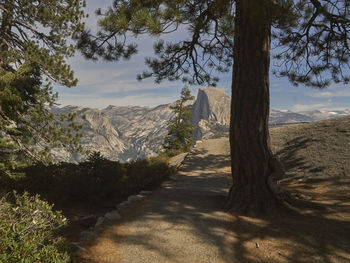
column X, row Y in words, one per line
column 183, row 222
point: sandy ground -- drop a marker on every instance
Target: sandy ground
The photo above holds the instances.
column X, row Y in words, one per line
column 183, row 222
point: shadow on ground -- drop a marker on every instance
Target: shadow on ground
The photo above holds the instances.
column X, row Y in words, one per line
column 292, row 158
column 187, row 212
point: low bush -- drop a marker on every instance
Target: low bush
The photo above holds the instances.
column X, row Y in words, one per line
column 173, row 152
column 27, row 229
column 28, row 225
column 94, row 179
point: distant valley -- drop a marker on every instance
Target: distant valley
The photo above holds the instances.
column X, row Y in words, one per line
column 127, row 133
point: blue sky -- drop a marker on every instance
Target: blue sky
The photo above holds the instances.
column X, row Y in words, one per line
column 114, row 83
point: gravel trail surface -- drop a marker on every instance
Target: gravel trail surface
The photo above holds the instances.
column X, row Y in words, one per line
column 183, row 220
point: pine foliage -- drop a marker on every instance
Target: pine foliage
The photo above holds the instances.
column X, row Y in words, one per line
column 180, row 128
column 312, row 38
column 33, row 53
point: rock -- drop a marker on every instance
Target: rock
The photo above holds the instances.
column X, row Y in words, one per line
column 87, row 235
column 145, row 192
column 212, row 106
column 113, row 215
column 101, row 220
column 167, row 184
column 133, row 198
column 173, row 178
column 77, row 249
column 98, row 132
column 87, row 221
column 123, row 205
column 177, row 160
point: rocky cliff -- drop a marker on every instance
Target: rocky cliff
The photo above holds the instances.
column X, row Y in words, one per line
column 142, row 129
column 99, row 134
column 133, row 132
column 211, row 111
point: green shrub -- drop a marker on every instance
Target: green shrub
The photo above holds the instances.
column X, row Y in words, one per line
column 27, row 229
column 173, row 152
column 147, row 173
column 28, row 225
column 92, row 180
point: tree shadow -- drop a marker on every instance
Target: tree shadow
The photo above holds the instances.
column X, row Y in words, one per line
column 289, row 238
column 199, row 159
column 292, row 238
column 291, row 158
column 191, row 206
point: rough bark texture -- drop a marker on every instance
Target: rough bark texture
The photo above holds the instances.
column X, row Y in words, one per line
column 251, row 158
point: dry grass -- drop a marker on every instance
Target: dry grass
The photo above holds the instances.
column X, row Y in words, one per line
column 316, row 159
column 315, row 150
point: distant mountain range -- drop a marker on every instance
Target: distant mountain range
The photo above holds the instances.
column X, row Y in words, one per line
column 127, row 133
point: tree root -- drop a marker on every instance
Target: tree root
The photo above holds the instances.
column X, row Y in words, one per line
column 268, row 200
column 284, row 197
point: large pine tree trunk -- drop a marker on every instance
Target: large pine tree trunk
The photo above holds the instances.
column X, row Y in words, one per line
column 251, row 157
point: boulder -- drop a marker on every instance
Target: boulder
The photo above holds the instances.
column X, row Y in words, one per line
column 113, row 215
column 101, row 220
column 123, row 205
column 145, row 192
column 87, row 221
column 133, row 198
column 77, row 249
column 173, row 178
column 87, row 235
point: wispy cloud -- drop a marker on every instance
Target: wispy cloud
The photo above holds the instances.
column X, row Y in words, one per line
column 332, row 93
column 102, row 102
column 329, row 105
column 304, row 107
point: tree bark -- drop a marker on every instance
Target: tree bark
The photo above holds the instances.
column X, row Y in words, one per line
column 252, row 161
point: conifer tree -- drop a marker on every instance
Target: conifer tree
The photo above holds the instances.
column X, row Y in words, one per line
column 180, row 128
column 312, row 37
column 34, row 46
